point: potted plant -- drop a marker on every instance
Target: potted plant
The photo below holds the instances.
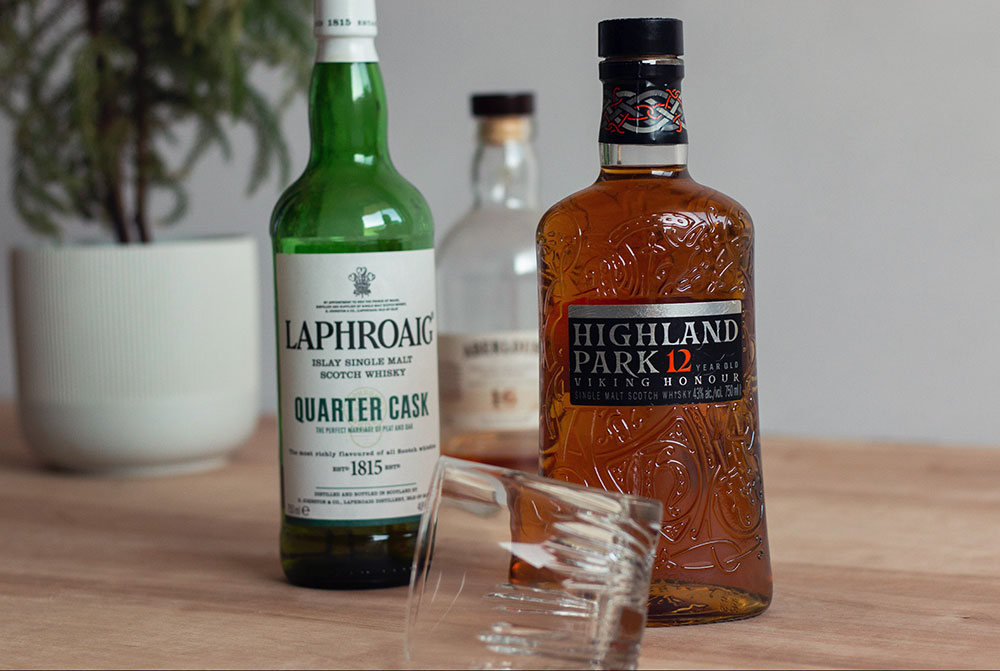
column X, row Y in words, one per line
column 136, row 357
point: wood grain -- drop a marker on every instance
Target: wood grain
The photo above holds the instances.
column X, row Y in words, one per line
column 885, row 556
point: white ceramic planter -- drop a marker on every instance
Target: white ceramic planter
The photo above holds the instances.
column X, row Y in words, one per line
column 137, row 360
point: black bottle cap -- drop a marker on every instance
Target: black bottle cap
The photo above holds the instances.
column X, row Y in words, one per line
column 503, row 104
column 639, row 37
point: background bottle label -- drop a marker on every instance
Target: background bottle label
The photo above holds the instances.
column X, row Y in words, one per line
column 656, row 354
column 357, row 354
column 489, row 381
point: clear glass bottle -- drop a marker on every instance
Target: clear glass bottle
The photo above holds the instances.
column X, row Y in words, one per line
column 488, row 301
column 355, row 322
column 647, row 339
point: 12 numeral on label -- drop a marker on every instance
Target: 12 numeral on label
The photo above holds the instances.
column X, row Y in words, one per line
column 685, row 366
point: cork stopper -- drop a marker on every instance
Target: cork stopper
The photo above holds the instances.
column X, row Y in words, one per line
column 500, row 129
column 503, row 117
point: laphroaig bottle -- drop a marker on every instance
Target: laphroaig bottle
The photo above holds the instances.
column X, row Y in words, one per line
column 356, row 329
column 489, row 297
column 647, row 339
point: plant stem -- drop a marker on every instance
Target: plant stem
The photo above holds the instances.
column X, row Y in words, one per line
column 112, row 200
column 141, row 117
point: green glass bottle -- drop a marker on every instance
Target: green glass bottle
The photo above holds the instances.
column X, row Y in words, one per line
column 355, row 317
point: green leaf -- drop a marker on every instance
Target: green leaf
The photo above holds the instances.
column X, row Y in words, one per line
column 70, row 93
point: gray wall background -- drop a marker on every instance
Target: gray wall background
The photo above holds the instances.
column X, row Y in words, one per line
column 863, row 138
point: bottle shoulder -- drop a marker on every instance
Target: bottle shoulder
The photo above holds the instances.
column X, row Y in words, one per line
column 491, row 232
column 651, row 239
column 353, row 202
column 608, row 203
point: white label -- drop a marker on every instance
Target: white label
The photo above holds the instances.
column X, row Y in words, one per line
column 489, row 381
column 344, row 18
column 357, row 356
column 346, row 31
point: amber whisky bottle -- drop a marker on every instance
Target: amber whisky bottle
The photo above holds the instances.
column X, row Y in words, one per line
column 649, row 380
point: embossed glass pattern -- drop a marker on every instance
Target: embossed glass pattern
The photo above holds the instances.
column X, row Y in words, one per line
column 645, row 236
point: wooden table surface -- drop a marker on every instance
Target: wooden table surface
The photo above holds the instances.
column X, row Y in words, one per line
column 884, row 555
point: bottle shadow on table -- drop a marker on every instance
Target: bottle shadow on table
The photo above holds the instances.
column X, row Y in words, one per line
column 15, row 455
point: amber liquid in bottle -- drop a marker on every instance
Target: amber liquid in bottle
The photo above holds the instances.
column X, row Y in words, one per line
column 644, row 234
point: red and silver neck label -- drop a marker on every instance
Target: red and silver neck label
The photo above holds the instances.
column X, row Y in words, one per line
column 642, row 102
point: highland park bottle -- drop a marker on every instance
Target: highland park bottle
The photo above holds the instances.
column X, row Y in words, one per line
column 355, row 313
column 647, row 339
column 488, row 297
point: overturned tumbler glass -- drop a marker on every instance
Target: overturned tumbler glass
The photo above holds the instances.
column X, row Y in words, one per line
column 516, row 571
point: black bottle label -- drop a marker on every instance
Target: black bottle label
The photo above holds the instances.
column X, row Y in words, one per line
column 656, row 354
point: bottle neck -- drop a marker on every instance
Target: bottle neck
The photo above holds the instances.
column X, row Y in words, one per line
column 504, row 171
column 347, row 111
column 642, row 119
column 631, row 155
